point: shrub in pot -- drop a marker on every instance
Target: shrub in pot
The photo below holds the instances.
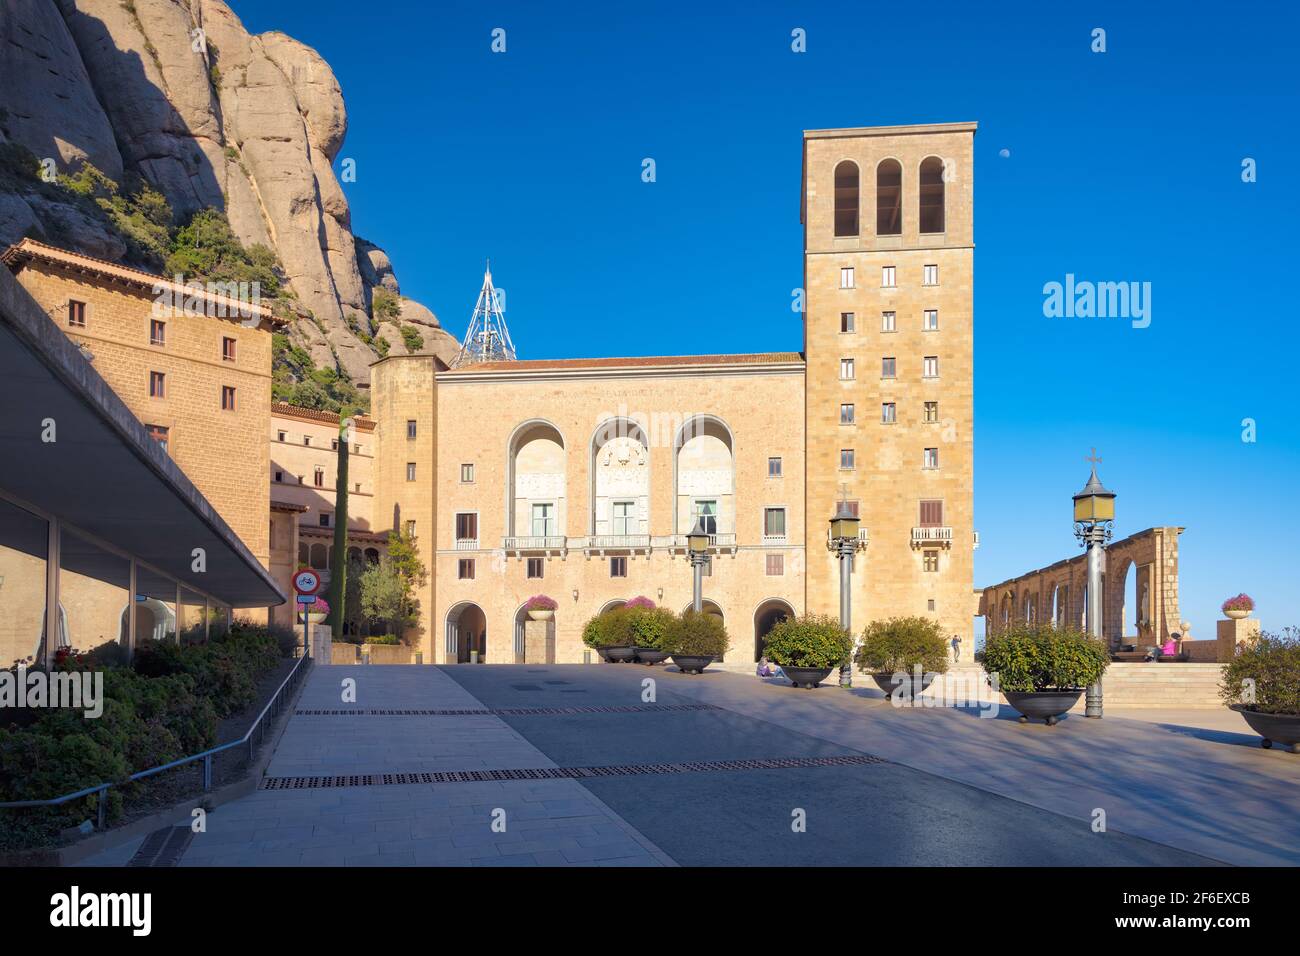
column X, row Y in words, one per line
column 540, row 607
column 610, row 635
column 648, row 625
column 1238, row 607
column 808, row 648
column 1262, row 683
column 694, row 640
column 1042, row 670
column 903, row 655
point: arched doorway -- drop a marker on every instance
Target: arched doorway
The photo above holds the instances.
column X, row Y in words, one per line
column 466, row 634
column 769, row 614
column 611, row 605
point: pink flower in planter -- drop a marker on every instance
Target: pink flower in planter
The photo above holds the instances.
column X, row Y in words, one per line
column 319, row 606
column 541, row 602
column 1242, row 602
column 644, row 602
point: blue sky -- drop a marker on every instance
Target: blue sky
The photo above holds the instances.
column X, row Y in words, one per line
column 1123, row 166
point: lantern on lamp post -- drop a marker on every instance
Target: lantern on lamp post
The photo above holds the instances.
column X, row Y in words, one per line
column 697, row 546
column 844, row 541
column 1094, row 518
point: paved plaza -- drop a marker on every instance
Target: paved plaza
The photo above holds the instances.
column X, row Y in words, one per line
column 573, row 765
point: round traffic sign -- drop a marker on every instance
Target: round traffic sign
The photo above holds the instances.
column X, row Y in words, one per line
column 306, row 581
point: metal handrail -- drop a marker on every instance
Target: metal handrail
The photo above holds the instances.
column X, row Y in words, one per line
column 206, row 756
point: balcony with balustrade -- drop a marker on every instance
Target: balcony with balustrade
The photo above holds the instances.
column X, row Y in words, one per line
column 931, row 537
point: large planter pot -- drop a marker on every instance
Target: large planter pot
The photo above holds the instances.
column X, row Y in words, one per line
column 806, row 677
column 1274, row 728
column 909, row 684
column 1237, row 614
column 651, row 655
column 315, row 617
column 541, row 615
column 1045, row 704
column 618, row 654
column 691, row 663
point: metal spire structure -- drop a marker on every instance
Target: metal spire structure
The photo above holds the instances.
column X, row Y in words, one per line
column 488, row 339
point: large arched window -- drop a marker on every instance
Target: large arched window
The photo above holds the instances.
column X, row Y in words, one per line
column 930, row 202
column 846, row 199
column 889, row 198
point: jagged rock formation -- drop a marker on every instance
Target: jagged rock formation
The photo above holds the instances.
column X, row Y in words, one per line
column 178, row 92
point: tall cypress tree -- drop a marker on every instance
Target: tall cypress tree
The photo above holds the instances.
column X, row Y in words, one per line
column 338, row 589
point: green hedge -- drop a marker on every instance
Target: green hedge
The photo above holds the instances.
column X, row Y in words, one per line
column 167, row 705
column 1035, row 657
column 901, row 643
column 815, row 640
column 695, row 635
column 1272, row 662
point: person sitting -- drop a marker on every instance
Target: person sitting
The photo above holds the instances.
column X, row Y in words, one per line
column 767, row 669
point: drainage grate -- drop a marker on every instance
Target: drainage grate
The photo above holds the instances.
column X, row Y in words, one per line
column 568, row 773
column 163, row 847
column 507, row 711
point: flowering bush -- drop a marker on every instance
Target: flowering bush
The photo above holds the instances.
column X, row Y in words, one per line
column 1242, row 602
column 644, row 602
column 540, row 602
column 318, row 606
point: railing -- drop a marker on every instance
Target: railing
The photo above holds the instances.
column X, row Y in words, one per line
column 771, row 539
column 467, row 544
column 931, row 534
column 549, row 542
column 679, row 542
column 617, row 542
column 273, row 707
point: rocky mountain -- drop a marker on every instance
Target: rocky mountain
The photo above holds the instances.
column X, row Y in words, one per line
column 180, row 95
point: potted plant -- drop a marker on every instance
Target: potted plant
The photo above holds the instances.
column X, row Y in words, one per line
column 694, row 639
column 648, row 625
column 610, row 635
column 808, row 648
column 1042, row 670
column 1238, row 607
column 540, row 607
column 640, row 601
column 1262, row 683
column 903, row 655
column 316, row 612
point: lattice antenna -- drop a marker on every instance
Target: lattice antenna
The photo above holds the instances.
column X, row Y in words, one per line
column 488, row 339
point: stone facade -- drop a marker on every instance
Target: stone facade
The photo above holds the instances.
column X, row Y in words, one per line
column 914, row 563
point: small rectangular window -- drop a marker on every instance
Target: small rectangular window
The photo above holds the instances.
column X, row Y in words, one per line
column 465, row 569
column 888, row 413
column 159, row 434
column 846, row 414
column 889, row 321
column 931, row 411
column 318, row 478
column 931, row 322
column 467, row 527
column 846, row 277
column 931, row 563
column 281, row 436
column 931, row 459
column 931, row 275
column 931, row 515
column 306, row 439
column 157, row 332
column 536, row 567
column 846, row 369
column 775, row 565
column 774, row 522
column 929, row 605
column 410, row 529
column 334, row 444
column 227, row 349
column 846, row 459
column 157, row 385
column 410, row 471
column 888, row 277
column 76, row 314
column 846, row 321
column 466, row 473
column 889, row 367
column 279, row 476
column 227, row 398
column 324, row 520
column 618, row 567
column 774, row 468
column 930, row 367
column 410, row 428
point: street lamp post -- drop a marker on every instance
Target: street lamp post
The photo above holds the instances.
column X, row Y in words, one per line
column 844, row 542
column 1094, row 518
column 697, row 543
